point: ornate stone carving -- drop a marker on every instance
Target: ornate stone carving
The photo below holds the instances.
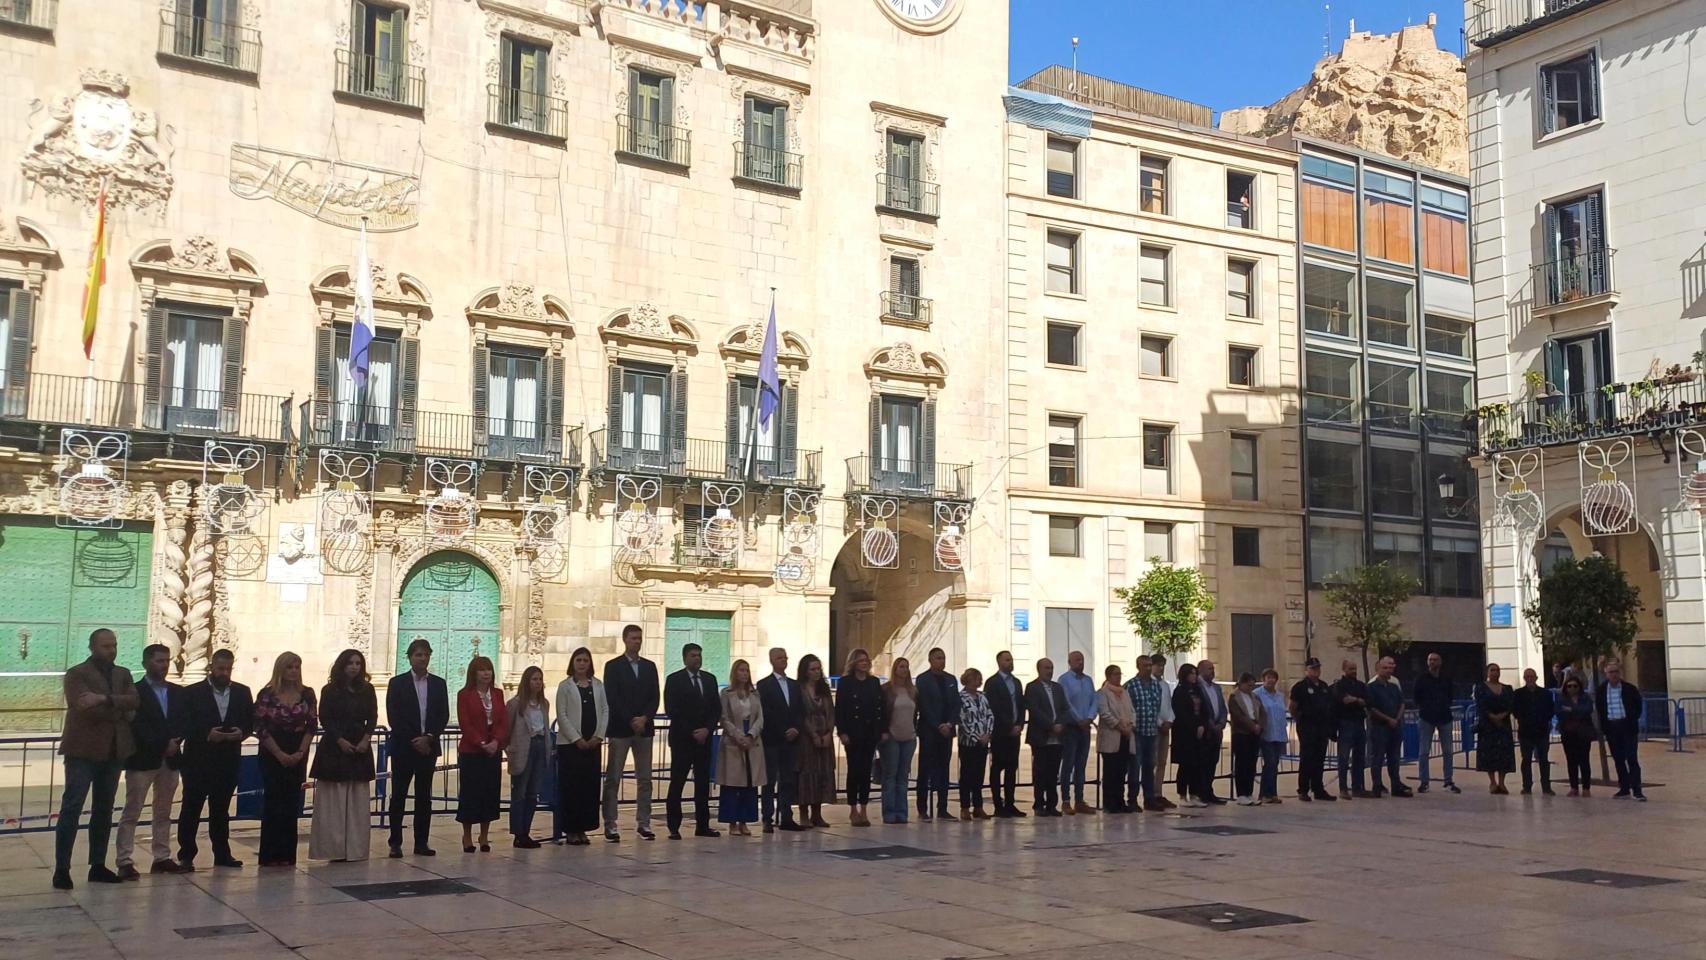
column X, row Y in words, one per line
column 645, row 322
column 903, row 361
column 622, row 58
column 198, row 600
column 170, row 576
column 741, row 87
column 97, row 134
column 885, row 120
column 200, row 254
column 746, row 27
column 517, row 299
column 541, row 28
column 535, row 651
column 359, row 632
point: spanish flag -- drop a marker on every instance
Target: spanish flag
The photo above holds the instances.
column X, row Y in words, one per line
column 97, row 275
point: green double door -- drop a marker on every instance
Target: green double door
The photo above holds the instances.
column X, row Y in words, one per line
column 711, row 631
column 57, row 586
column 451, row 599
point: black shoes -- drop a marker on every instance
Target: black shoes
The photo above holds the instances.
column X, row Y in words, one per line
column 396, row 851
column 424, row 851
column 62, row 880
column 793, row 826
column 646, row 834
column 706, row 832
column 233, row 862
column 526, row 843
column 946, row 816
column 675, row 834
column 101, row 874
column 611, row 835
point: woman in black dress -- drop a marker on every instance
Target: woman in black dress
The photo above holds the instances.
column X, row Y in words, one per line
column 1495, row 747
column 343, row 764
column 284, row 725
column 861, row 719
column 583, row 712
column 1190, row 738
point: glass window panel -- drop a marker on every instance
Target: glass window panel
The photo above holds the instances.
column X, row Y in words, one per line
column 1246, row 546
column 1157, row 459
column 1062, row 168
column 1152, row 189
column 1240, row 289
column 1333, row 552
column 1329, row 300
column 1158, row 542
column 1330, row 388
column 1155, row 356
column 1063, row 344
column 1152, row 276
column 1241, row 366
column 1062, row 262
column 1063, row 462
column 1244, row 456
column 1391, row 312
column 1335, row 475
column 1403, row 551
column 1449, row 336
column 1455, row 565
column 1391, row 396
column 1064, row 536
column 1394, row 486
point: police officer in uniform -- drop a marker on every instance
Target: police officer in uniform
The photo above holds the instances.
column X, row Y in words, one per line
column 1312, row 708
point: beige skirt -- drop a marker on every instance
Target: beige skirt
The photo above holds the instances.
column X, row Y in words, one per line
column 342, row 828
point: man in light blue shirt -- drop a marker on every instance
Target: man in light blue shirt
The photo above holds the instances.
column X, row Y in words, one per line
column 1273, row 733
column 1080, row 691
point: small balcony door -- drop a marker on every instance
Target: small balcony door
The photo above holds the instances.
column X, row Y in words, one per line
column 643, row 440
column 379, row 48
column 905, row 172
column 1576, row 368
column 900, row 444
column 514, row 425
column 195, row 363
column 368, row 415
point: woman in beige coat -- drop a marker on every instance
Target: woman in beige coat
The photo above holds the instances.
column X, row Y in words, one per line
column 740, row 769
column 1116, row 741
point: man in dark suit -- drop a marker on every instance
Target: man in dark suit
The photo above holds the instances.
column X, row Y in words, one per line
column 220, row 715
column 784, row 720
column 417, row 706
column 1619, row 706
column 100, row 699
column 631, row 685
column 938, row 718
column 1045, row 702
column 691, row 700
column 151, row 773
column 1006, row 698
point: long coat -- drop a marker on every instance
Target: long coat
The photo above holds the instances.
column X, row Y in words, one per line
column 742, row 715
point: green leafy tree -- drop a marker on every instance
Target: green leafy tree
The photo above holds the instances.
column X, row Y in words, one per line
column 1364, row 604
column 1585, row 611
column 1167, row 607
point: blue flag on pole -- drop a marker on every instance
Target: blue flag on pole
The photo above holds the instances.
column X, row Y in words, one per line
column 361, row 329
column 769, row 385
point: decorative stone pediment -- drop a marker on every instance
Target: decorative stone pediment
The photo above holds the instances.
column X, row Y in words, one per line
column 519, row 303
column 886, row 117
column 199, row 270
column 97, row 135
column 621, row 58
column 904, row 362
column 26, row 251
column 744, row 345
column 398, row 297
column 535, row 25
column 645, row 326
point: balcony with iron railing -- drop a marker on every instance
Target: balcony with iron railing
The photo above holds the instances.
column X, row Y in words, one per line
column 439, row 433
column 523, row 111
column 908, row 197
column 54, row 400
column 756, row 163
column 906, row 308
column 649, row 140
column 29, row 15
column 1491, row 22
column 1641, row 407
column 694, row 459
column 380, row 80
column 1581, row 280
column 212, row 43
column 888, row 476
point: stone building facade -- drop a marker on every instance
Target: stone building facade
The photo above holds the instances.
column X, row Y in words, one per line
column 579, row 215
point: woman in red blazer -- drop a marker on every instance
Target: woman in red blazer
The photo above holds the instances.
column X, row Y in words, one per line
column 484, row 721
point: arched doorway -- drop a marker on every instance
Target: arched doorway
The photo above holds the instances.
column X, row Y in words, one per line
column 899, row 611
column 1638, row 557
column 451, row 599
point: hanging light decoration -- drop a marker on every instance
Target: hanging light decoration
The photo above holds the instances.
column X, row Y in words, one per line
column 450, row 513
column 1608, row 502
column 1517, row 505
column 92, row 488
column 880, row 545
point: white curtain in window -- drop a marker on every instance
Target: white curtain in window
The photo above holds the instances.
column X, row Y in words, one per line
column 525, row 401
column 766, row 432
column 209, row 367
column 176, row 369
column 642, row 413
column 380, row 370
column 5, row 339
column 497, row 397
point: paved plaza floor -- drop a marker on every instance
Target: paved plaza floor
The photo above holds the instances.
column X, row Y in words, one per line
column 1438, row 876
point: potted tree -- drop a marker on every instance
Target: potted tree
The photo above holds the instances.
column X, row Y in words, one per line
column 1364, row 604
column 1167, row 607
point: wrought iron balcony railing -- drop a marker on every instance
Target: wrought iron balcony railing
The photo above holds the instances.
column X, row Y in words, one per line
column 705, row 459
column 53, row 399
column 516, row 109
column 919, row 198
column 387, row 80
column 39, row 15
column 908, row 478
column 1574, row 278
column 652, row 140
column 757, row 163
column 390, row 430
column 1493, row 22
column 1675, row 400
column 217, row 43
column 906, row 306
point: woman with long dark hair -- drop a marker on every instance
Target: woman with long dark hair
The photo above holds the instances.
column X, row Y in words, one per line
column 583, row 713
column 1191, row 718
column 529, row 724
column 284, row 725
column 484, row 720
column 815, row 755
column 343, row 765
column 861, row 719
column 1495, row 746
column 1574, row 711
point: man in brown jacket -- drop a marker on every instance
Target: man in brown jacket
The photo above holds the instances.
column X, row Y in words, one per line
column 100, row 700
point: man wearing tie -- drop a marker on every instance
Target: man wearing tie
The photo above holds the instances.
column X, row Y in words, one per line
column 1006, row 698
column 417, row 706
column 151, row 773
column 221, row 715
column 691, row 701
column 1045, row 702
column 631, row 685
column 779, row 696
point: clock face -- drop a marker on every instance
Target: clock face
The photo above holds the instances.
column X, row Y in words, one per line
column 919, row 11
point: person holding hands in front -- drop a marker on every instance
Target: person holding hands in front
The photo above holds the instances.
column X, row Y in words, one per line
column 484, row 721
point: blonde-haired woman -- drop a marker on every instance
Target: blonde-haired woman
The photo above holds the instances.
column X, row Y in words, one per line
column 529, row 726
column 284, row 725
column 740, row 769
column 900, row 740
column 861, row 716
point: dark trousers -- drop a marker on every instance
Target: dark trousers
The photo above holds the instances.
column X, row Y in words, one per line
column 1353, row 754
column 1385, row 749
column 973, row 757
column 1246, row 748
column 935, row 752
column 1623, row 739
column 1271, row 750
column 1003, row 769
column 781, row 771
column 1210, row 761
column 1195, row 777
column 685, row 757
column 1116, row 768
column 1576, row 749
column 1536, row 749
column 411, row 773
column 281, row 801
column 82, row 776
column 1045, row 775
column 1311, row 759
column 211, row 786
column 861, row 753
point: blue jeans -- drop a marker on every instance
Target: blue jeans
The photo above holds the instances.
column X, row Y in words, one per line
column 1271, row 750
column 1142, row 772
column 1353, row 748
column 1427, row 731
column 524, row 790
column 1385, row 744
column 80, row 776
column 897, row 776
column 1074, row 761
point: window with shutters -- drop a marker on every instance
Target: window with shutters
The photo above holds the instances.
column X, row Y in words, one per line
column 900, row 440
column 1246, row 546
column 760, row 446
column 1152, row 185
column 1241, row 289
column 8, row 308
column 1064, row 344
column 1063, row 262
column 764, row 155
column 515, row 401
column 1062, row 168
column 1388, row 211
column 1240, row 199
column 1569, row 93
column 1329, row 300
column 209, row 31
column 1241, row 366
column 1328, row 199
column 643, row 439
column 376, row 64
column 1576, row 368
column 1154, row 278
column 1578, row 261
column 1065, row 457
column 368, row 413
column 904, row 185
column 523, row 95
column 193, row 369
column 1445, row 231
column 649, row 125
column 1065, row 536
column 1157, row 460
column 1246, row 482
column 904, row 300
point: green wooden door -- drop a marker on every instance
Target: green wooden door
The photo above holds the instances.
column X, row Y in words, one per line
column 451, row 599
column 711, row 631
column 56, row 587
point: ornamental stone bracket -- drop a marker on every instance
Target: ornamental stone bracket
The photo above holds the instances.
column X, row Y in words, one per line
column 96, row 135
column 763, row 43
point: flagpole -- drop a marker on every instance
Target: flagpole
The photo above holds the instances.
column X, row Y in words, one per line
column 757, row 404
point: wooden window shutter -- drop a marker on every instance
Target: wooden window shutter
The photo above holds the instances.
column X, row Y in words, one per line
column 678, row 418
column 555, row 372
column 635, row 110
column 613, row 413
column 153, row 367
column 482, row 383
column 1590, row 88
column 399, row 36
column 1548, row 100
column 1553, row 358
column 790, row 430
column 357, row 31
column 927, row 446
column 1598, row 272
column 733, row 439
column 409, row 377
column 666, row 105
column 508, row 70
column 779, row 130
column 751, row 109
column 231, row 377
column 325, row 371
column 22, row 314
column 875, row 459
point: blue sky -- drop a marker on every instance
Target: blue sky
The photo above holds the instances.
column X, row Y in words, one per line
column 1223, row 53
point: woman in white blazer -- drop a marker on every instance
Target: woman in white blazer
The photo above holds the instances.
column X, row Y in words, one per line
column 583, row 716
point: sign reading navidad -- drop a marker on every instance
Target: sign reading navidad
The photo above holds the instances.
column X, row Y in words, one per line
column 331, row 191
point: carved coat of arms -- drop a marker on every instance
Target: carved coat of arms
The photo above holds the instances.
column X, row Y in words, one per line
column 94, row 134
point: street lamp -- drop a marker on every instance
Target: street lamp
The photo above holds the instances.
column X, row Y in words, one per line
column 1447, row 486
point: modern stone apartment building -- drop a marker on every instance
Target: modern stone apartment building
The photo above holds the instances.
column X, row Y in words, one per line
column 579, row 214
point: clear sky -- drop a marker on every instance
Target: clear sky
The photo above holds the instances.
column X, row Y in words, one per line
column 1222, row 53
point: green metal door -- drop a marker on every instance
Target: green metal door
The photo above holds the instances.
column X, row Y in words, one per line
column 711, row 631
column 56, row 587
column 451, row 599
